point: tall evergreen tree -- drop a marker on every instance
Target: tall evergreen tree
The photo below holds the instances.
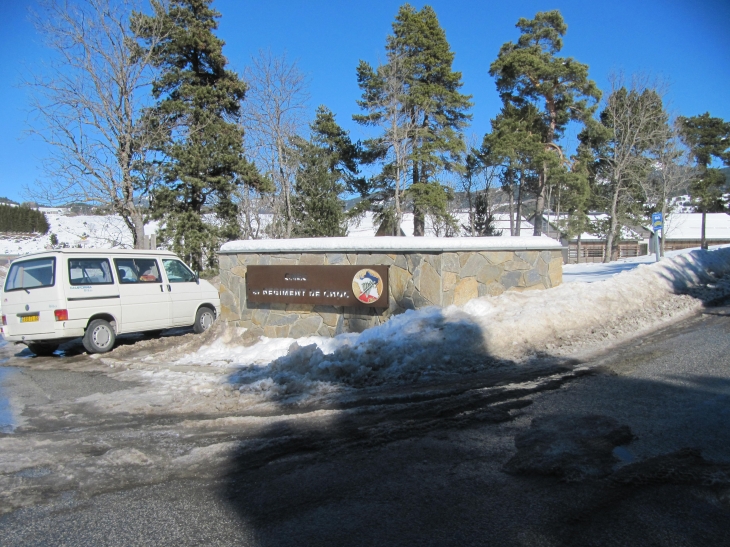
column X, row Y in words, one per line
column 428, row 95
column 530, row 72
column 198, row 101
column 707, row 138
column 22, row 219
column 327, row 165
column 516, row 144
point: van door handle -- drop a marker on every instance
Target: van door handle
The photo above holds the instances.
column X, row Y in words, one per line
column 161, row 289
column 169, row 289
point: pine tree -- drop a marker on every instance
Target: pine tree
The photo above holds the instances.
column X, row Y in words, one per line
column 484, row 220
column 198, row 101
column 327, row 165
column 707, row 138
column 530, row 72
column 515, row 142
column 430, row 110
column 22, row 219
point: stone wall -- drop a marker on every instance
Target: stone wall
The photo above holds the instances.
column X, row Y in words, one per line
column 416, row 280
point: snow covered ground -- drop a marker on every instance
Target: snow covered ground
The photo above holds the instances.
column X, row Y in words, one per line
column 92, row 231
column 592, row 272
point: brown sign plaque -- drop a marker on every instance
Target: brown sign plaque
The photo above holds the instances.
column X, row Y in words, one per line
column 322, row 285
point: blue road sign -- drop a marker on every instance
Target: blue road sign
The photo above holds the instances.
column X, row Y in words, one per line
column 657, row 221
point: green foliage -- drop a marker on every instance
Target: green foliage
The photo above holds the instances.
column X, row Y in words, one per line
column 22, row 219
column 198, row 103
column 483, row 218
column 432, row 198
column 530, row 72
column 706, row 192
column 430, row 115
column 542, row 93
column 327, row 165
column 53, row 238
column 707, row 138
column 576, row 198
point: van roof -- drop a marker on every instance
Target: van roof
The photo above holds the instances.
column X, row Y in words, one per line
column 98, row 252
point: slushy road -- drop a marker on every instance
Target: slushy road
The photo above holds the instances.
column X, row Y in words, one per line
column 628, row 448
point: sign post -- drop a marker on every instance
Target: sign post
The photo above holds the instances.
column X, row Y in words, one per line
column 657, row 223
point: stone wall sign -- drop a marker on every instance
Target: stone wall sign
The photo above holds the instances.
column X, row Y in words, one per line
column 352, row 286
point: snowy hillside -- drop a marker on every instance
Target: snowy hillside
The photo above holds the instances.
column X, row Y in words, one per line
column 92, row 231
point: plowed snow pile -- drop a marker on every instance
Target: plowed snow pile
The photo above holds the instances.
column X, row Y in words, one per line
column 487, row 332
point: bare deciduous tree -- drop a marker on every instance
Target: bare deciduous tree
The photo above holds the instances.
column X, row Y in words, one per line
column 87, row 104
column 632, row 123
column 397, row 123
column 273, row 113
column 672, row 174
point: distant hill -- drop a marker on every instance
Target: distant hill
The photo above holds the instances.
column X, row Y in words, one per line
column 7, row 201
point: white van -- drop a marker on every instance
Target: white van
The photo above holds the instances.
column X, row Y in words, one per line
column 54, row 296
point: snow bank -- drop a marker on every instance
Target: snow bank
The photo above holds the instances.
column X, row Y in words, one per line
column 485, row 333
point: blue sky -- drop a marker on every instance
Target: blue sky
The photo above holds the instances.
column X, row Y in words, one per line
column 686, row 42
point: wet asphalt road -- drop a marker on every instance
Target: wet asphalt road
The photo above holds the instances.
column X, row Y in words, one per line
column 633, row 451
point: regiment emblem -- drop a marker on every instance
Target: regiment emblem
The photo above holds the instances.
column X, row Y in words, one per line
column 367, row 286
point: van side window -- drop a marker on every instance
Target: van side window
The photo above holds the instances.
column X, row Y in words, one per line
column 177, row 272
column 137, row 270
column 31, row 274
column 89, row 271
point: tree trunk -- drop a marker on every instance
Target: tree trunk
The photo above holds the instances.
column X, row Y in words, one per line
column 138, row 230
column 511, row 212
column 285, row 188
column 580, row 248
column 540, row 205
column 396, row 228
column 518, row 219
column 471, row 209
column 703, row 241
column 664, row 220
column 612, row 226
column 419, row 222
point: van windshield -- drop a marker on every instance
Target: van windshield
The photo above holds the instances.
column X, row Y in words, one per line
column 31, row 274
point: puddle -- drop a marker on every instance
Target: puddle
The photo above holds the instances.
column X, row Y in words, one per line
column 33, row 472
column 7, row 418
column 623, row 455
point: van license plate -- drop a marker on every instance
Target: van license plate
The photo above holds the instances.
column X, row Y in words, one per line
column 29, row 318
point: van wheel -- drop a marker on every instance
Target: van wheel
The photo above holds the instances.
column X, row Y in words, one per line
column 203, row 319
column 99, row 336
column 41, row 349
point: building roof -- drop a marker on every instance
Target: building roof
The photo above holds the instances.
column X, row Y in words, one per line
column 688, row 226
column 367, row 226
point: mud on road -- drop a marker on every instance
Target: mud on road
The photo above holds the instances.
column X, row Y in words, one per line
column 628, row 447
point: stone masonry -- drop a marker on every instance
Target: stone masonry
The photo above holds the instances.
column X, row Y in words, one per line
column 416, row 280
